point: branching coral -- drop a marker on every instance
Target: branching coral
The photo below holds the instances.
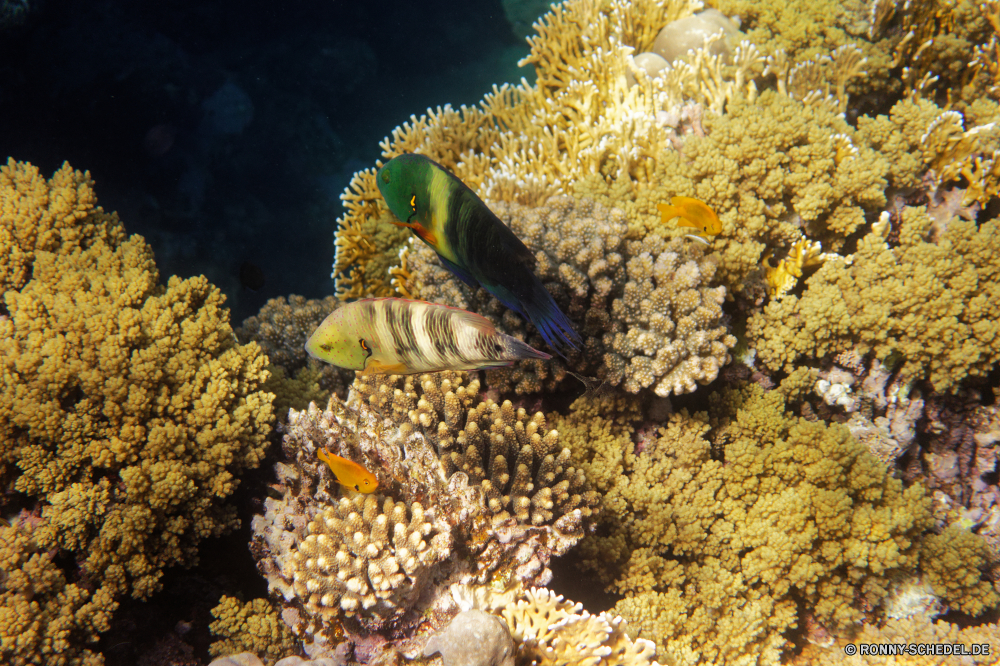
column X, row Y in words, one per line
column 469, row 491
column 57, row 215
column 253, row 627
column 128, row 408
column 929, row 302
column 798, row 513
column 45, row 619
column 648, row 310
column 549, row 629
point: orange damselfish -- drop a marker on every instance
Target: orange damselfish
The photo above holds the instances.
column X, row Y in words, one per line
column 693, row 213
column 349, row 473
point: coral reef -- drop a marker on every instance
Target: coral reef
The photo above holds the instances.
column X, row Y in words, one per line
column 928, row 302
column 253, row 627
column 470, row 491
column 796, row 511
column 57, row 215
column 550, row 630
column 647, row 310
column 910, row 631
column 44, row 618
column 128, row 410
column 281, row 328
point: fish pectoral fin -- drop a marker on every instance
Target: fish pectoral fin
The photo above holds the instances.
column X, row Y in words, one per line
column 420, row 230
column 684, row 222
column 460, row 273
column 379, row 368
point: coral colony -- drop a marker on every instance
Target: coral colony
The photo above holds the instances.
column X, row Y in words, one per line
column 768, row 446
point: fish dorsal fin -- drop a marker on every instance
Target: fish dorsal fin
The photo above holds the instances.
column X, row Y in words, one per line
column 478, row 322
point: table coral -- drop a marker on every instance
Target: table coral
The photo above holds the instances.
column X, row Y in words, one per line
column 43, row 617
column 469, row 491
column 796, row 515
column 649, row 311
column 929, row 302
column 128, row 408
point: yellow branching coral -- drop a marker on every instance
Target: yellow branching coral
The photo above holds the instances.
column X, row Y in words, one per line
column 782, row 278
column 716, row 557
column 915, row 630
column 128, row 408
column 951, row 562
column 929, row 302
column 44, row 619
column 57, row 215
column 251, row 627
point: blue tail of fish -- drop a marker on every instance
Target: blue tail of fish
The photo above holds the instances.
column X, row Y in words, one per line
column 541, row 310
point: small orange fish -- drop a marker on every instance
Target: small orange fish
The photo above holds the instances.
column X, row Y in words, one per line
column 693, row 213
column 349, row 473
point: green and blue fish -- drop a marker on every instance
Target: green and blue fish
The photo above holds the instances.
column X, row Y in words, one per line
column 403, row 337
column 471, row 241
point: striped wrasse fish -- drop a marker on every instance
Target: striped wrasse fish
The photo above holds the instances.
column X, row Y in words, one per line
column 472, row 242
column 399, row 336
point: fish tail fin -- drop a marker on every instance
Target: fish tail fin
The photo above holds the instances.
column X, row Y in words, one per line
column 521, row 350
column 552, row 324
column 667, row 212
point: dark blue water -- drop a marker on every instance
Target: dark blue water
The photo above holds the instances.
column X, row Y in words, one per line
column 225, row 131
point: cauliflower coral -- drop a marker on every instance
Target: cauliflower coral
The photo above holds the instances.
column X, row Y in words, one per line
column 718, row 559
column 128, row 409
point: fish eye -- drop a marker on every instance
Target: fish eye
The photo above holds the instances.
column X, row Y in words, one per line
column 385, row 176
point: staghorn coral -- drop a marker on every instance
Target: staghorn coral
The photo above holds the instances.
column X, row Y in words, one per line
column 549, row 629
column 797, row 512
column 128, row 408
column 281, row 328
column 57, row 215
column 582, row 120
column 471, row 491
column 251, row 627
column 646, row 309
column 928, row 302
column 44, row 618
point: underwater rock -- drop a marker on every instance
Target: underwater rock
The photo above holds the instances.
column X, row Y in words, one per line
column 680, row 36
column 473, row 638
column 651, row 63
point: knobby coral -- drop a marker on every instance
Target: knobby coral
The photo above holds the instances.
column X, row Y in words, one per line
column 253, row 627
column 57, row 215
column 649, row 311
column 469, row 490
column 281, row 328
